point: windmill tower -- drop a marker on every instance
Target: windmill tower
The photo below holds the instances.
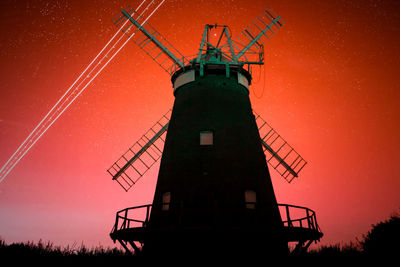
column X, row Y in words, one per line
column 214, row 190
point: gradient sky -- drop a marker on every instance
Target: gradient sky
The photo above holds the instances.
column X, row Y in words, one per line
column 332, row 90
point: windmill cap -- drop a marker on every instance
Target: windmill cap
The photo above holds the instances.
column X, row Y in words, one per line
column 190, row 73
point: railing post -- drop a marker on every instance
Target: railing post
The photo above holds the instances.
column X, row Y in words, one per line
column 125, row 217
column 315, row 222
column 147, row 215
column 116, row 223
column 290, row 224
column 312, row 226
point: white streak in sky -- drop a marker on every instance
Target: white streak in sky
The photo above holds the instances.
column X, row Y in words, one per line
column 28, row 143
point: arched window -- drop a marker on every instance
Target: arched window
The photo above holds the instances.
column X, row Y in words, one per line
column 250, row 199
column 166, row 200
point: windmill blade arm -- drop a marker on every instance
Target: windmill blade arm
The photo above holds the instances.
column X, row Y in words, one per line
column 151, row 41
column 279, row 154
column 280, row 160
column 141, row 151
column 154, row 39
column 264, row 25
column 141, row 156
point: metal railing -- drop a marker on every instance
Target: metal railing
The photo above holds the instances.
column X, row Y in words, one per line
column 292, row 217
column 303, row 218
column 132, row 217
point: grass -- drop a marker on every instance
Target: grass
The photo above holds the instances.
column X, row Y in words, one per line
column 382, row 242
column 47, row 252
column 48, row 249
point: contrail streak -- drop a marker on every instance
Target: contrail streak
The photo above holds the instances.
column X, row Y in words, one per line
column 33, row 138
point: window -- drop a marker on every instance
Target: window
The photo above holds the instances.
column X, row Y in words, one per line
column 166, row 200
column 206, row 138
column 250, row 199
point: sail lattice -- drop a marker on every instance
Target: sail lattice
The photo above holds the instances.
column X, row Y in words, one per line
column 139, row 158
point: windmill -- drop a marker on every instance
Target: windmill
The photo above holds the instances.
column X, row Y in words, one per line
column 214, row 189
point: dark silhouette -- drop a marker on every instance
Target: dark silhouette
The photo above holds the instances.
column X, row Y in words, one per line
column 214, row 193
column 383, row 238
column 380, row 243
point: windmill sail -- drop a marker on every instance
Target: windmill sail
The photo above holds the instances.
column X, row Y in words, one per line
column 139, row 158
column 150, row 41
column 249, row 44
column 279, row 154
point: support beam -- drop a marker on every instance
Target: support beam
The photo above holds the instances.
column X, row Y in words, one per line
column 125, row 246
column 230, row 45
column 203, row 41
column 135, row 248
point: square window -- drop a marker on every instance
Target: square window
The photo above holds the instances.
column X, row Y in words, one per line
column 250, row 199
column 166, row 200
column 206, row 138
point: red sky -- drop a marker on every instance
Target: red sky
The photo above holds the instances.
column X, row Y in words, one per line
column 331, row 90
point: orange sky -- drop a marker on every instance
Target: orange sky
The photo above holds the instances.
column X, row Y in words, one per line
column 331, row 90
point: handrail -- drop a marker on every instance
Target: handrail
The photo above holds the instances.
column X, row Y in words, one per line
column 310, row 218
column 124, row 219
